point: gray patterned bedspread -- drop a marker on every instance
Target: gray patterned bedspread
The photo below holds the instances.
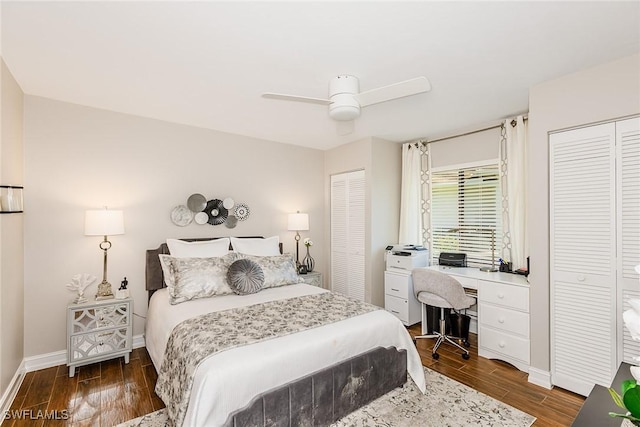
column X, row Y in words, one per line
column 193, row 340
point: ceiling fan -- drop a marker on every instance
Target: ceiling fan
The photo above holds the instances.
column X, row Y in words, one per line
column 346, row 100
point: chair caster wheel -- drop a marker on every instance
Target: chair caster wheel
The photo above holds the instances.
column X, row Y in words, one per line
column 435, row 356
column 465, row 356
column 466, row 344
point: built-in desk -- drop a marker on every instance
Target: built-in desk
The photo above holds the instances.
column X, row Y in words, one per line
column 503, row 313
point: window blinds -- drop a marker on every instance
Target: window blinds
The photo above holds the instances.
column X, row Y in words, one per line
column 465, row 208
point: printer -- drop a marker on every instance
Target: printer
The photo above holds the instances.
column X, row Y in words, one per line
column 406, row 257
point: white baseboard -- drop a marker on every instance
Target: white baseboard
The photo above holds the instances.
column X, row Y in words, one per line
column 138, row 341
column 12, row 390
column 540, row 377
column 43, row 361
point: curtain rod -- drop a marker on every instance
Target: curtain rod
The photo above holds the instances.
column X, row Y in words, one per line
column 469, row 133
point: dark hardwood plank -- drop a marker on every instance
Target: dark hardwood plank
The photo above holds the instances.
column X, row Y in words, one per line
column 30, row 416
column 133, row 374
column 86, row 404
column 40, row 388
column 22, row 391
column 152, row 377
column 88, row 371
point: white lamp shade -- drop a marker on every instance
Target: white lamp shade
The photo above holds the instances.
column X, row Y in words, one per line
column 103, row 222
column 298, row 222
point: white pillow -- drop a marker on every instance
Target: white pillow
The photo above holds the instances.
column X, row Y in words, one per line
column 204, row 249
column 257, row 247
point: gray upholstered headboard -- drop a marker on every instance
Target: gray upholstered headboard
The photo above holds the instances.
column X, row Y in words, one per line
column 154, row 279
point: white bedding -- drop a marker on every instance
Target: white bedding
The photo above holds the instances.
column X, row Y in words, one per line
column 228, row 381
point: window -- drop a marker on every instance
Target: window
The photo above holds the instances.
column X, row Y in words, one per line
column 465, row 210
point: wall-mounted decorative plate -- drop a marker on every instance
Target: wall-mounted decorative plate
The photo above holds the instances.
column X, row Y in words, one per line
column 201, row 218
column 181, row 215
column 228, row 203
column 242, row 212
column 231, row 221
column 196, row 202
column 216, row 212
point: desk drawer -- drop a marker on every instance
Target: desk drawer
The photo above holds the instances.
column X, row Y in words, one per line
column 506, row 295
column 504, row 319
column 398, row 307
column 397, row 285
column 504, row 343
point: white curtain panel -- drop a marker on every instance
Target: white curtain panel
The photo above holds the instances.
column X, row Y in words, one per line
column 513, row 150
column 410, row 202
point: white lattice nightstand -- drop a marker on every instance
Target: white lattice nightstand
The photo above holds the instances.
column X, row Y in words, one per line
column 98, row 330
column 314, row 278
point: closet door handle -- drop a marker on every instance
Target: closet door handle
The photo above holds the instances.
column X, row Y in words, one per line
column 397, row 290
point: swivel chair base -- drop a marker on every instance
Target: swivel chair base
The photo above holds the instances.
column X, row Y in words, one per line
column 442, row 337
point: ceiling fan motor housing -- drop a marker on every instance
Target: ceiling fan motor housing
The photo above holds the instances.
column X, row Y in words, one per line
column 343, row 102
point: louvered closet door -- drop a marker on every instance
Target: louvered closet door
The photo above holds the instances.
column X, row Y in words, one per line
column 583, row 263
column 628, row 220
column 348, row 234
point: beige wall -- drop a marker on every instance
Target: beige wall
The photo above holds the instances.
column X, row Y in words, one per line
column 472, row 148
column 80, row 158
column 11, row 231
column 381, row 161
column 386, row 180
column 605, row 92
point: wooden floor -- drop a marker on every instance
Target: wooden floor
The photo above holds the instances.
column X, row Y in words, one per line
column 556, row 407
column 108, row 393
column 103, row 394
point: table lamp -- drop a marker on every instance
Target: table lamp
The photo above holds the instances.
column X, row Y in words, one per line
column 104, row 222
column 298, row 222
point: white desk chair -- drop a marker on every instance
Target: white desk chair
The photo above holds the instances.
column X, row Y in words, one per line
column 440, row 290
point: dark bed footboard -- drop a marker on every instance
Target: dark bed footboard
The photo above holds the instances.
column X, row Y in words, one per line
column 326, row 396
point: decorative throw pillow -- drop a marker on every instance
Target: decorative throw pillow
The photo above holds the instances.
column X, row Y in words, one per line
column 192, row 278
column 245, row 277
column 278, row 270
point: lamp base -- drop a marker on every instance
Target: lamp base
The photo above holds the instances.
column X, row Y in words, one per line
column 489, row 269
column 104, row 291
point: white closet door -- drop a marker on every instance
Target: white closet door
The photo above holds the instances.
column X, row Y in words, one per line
column 583, row 263
column 348, row 234
column 628, row 218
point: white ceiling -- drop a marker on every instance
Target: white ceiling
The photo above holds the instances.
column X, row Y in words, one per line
column 206, row 63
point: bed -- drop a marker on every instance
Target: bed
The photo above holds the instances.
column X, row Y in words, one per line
column 311, row 377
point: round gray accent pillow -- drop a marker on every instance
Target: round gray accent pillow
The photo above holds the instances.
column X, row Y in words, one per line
column 245, row 277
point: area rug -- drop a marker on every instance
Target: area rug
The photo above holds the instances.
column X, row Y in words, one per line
column 445, row 403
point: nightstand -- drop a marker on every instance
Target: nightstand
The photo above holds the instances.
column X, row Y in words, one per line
column 314, row 278
column 98, row 330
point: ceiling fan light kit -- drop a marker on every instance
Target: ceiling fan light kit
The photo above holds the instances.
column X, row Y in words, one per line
column 346, row 100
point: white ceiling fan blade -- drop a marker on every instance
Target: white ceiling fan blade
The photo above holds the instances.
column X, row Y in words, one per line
column 307, row 99
column 394, row 91
column 345, row 127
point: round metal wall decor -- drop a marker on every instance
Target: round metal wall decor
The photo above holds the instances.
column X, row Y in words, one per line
column 216, row 212
column 231, row 221
column 242, row 212
column 201, row 218
column 181, row 215
column 228, row 203
column 196, row 202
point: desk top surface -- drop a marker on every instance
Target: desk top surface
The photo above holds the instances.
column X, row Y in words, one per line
column 475, row 273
